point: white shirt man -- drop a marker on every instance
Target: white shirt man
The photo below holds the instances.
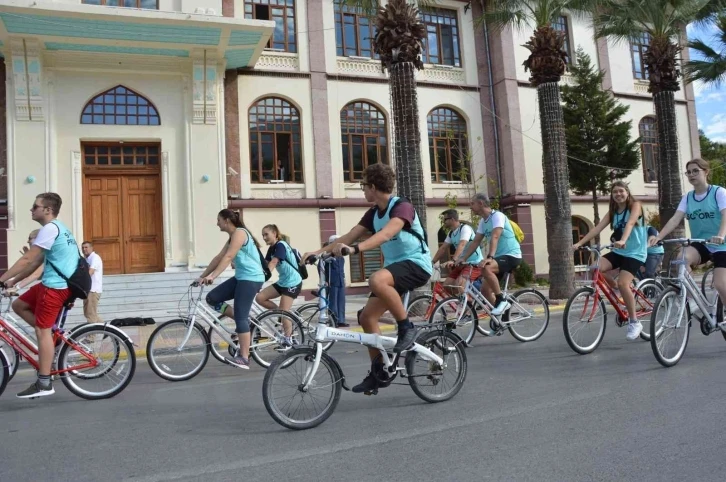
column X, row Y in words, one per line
column 90, row 304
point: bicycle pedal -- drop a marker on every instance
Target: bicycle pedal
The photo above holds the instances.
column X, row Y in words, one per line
column 371, row 392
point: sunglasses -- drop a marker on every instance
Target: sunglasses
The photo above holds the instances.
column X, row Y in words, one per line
column 693, row 172
column 35, row 206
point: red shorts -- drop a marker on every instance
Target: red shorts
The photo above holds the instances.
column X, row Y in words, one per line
column 45, row 303
column 471, row 271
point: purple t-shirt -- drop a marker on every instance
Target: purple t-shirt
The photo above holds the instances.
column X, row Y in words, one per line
column 403, row 210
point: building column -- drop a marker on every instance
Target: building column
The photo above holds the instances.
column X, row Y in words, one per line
column 231, row 134
column 327, row 224
column 521, row 213
column 228, row 8
column 497, row 73
column 3, row 167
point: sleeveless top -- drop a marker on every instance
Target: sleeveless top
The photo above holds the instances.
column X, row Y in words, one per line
column 637, row 245
column 287, row 275
column 508, row 244
column 404, row 246
column 455, row 236
column 247, row 266
column 64, row 255
column 704, row 218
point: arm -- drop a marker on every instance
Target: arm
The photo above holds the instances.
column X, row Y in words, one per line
column 390, row 230
column 496, row 234
column 441, row 252
column 347, row 239
column 594, row 231
column 635, row 213
column 272, row 264
column 459, row 248
column 24, row 282
column 236, row 241
column 26, row 265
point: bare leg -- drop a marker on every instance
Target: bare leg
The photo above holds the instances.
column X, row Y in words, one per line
column 263, row 298
column 286, row 304
column 624, row 281
column 491, row 281
column 372, row 312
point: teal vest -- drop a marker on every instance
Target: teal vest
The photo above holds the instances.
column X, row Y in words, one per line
column 704, row 218
column 64, row 256
column 508, row 244
column 404, row 246
column 247, row 266
column 288, row 276
column 455, row 236
column 637, row 246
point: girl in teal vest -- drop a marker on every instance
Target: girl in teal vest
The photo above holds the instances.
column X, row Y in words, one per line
column 289, row 282
column 242, row 249
column 629, row 252
column 705, row 209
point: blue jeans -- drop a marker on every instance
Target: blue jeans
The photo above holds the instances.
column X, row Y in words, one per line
column 243, row 292
column 337, row 302
column 651, row 264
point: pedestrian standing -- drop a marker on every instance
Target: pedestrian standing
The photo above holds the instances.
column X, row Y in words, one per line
column 95, row 263
column 336, row 277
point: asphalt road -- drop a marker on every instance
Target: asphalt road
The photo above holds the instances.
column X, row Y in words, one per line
column 532, row 411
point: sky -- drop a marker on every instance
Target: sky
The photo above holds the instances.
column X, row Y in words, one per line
column 710, row 101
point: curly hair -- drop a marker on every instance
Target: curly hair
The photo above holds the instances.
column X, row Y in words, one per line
column 381, row 177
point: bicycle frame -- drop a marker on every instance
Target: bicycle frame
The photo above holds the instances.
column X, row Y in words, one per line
column 325, row 333
column 685, row 280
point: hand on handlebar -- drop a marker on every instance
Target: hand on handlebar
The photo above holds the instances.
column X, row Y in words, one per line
column 619, row 244
column 341, row 249
column 652, row 241
column 10, row 292
column 716, row 240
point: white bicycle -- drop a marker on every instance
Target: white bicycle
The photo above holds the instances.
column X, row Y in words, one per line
column 179, row 349
column 302, row 387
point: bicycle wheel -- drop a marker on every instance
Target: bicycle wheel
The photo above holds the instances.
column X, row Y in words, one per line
column 285, row 399
column 418, row 308
column 707, row 288
column 529, row 315
column 267, row 332
column 431, row 381
column 309, row 313
column 168, row 359
column 457, row 317
column 218, row 346
column 670, row 333
column 112, row 351
column 4, row 371
column 584, row 321
column 646, row 294
column 12, row 357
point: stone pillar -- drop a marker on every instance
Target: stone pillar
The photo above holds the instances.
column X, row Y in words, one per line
column 231, row 134
column 228, row 8
column 327, row 224
column 603, row 60
column 3, row 167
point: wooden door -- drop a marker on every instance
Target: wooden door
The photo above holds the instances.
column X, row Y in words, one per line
column 142, row 223
column 103, row 220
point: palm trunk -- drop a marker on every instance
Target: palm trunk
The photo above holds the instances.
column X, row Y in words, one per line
column 669, row 169
column 557, row 196
column 596, row 212
column 407, row 136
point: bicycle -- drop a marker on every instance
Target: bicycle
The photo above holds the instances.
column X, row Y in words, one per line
column 421, row 308
column 311, row 370
column 187, row 341
column 587, row 302
column 308, row 311
column 671, row 306
column 459, row 313
column 79, row 355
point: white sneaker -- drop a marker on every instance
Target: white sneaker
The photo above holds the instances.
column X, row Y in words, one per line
column 634, row 330
column 503, row 306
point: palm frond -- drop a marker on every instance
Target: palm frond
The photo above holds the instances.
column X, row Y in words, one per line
column 708, row 72
column 704, row 49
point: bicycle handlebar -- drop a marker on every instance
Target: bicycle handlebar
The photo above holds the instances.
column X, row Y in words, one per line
column 595, row 248
column 312, row 259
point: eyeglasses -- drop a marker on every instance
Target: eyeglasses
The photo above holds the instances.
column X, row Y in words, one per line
column 693, row 172
column 35, row 206
column 363, row 185
column 448, row 219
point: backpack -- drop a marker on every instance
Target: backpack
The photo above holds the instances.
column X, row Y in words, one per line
column 425, row 238
column 300, row 268
column 80, row 281
column 265, row 268
column 518, row 233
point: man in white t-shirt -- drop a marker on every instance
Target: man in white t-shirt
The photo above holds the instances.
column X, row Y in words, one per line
column 460, row 236
column 95, row 263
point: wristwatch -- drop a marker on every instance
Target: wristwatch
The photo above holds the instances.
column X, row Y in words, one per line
column 489, row 256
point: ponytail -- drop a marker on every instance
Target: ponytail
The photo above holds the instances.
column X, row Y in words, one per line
column 235, row 217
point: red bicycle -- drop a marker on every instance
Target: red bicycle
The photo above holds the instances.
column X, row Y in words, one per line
column 93, row 361
column 585, row 313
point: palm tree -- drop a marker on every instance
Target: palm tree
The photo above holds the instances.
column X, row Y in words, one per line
column 547, row 63
column 711, row 68
column 664, row 21
column 399, row 43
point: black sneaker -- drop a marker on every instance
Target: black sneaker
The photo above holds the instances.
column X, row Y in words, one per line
column 406, row 337
column 371, row 382
column 36, row 390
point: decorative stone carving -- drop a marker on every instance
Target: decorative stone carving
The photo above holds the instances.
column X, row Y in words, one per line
column 641, row 86
column 283, row 61
column 279, row 193
column 360, row 66
column 442, row 74
column 204, row 87
column 27, row 83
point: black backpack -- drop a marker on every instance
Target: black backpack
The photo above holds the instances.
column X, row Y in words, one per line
column 80, row 281
column 424, row 239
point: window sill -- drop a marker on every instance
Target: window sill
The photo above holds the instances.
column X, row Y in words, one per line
column 277, row 185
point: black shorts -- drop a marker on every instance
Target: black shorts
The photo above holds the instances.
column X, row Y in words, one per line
column 506, row 265
column 407, row 276
column 293, row 292
column 718, row 258
column 631, row 265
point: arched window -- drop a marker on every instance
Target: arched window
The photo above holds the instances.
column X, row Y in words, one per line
column 120, row 106
column 448, row 150
column 579, row 229
column 275, row 153
column 364, row 137
column 648, row 130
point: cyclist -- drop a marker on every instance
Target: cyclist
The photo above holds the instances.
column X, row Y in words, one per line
column 289, row 282
column 56, row 249
column 460, row 235
column 629, row 252
column 705, row 208
column 504, row 253
column 407, row 262
column 243, row 249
